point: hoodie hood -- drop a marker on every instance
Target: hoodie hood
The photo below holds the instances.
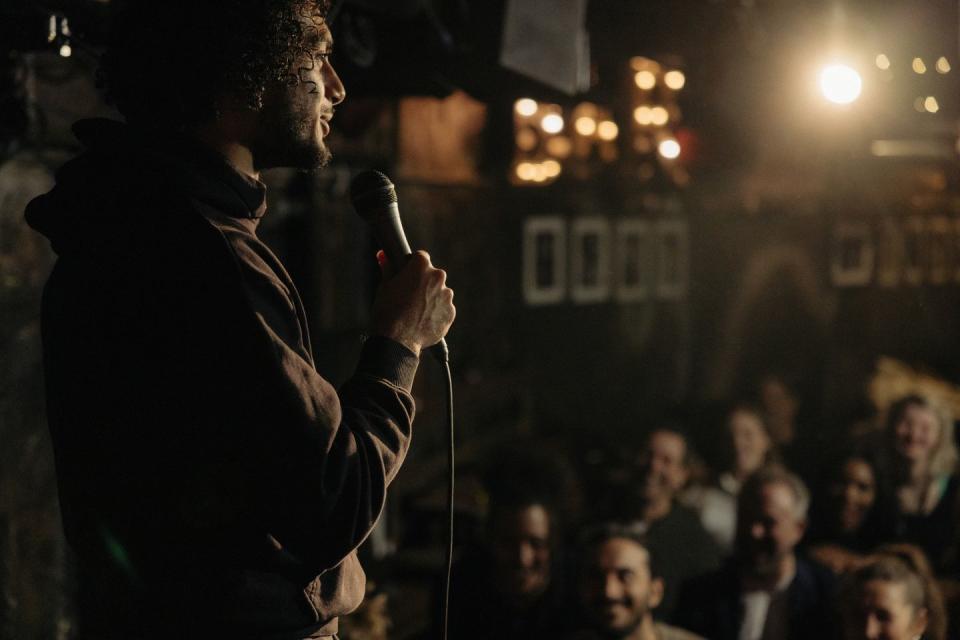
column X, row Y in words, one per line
column 124, row 174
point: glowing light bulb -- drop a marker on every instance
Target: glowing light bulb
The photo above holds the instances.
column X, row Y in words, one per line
column 585, row 126
column 526, row 107
column 669, row 149
column 645, row 79
column 840, row 84
column 643, row 115
column 659, row 116
column 551, row 168
column 559, row 146
column 883, row 62
column 931, row 104
column 552, row 123
column 943, row 65
column 675, row 80
column 608, row 130
column 65, row 50
column 919, row 66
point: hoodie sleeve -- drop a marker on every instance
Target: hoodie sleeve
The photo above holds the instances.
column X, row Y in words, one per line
column 308, row 464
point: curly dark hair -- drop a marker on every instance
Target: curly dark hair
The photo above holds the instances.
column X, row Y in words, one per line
column 168, row 62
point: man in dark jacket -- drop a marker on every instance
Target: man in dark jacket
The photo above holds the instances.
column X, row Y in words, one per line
column 767, row 591
column 212, row 483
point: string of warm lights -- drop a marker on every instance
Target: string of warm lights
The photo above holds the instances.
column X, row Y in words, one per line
column 548, row 141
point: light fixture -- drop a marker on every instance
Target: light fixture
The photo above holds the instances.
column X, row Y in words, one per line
column 840, row 84
column 659, row 116
column 585, row 125
column 943, row 65
column 675, row 79
column 919, row 66
column 645, row 79
column 931, row 104
column 883, row 62
column 669, row 148
column 552, row 123
column 608, row 130
column 643, row 115
column 526, row 107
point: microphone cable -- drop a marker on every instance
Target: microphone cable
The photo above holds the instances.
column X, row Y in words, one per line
column 444, row 358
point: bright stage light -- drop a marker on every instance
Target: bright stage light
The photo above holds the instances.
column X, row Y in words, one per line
column 840, row 84
column 659, row 116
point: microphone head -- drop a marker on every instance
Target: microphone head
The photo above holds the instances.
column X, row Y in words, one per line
column 371, row 192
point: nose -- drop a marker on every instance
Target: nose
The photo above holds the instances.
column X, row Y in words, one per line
column 872, row 628
column 333, row 87
column 526, row 555
column 611, row 588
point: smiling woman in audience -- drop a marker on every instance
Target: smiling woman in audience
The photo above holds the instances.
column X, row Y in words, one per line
column 893, row 597
column 923, row 457
column 847, row 519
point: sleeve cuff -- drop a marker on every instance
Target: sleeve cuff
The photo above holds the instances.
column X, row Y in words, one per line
column 388, row 360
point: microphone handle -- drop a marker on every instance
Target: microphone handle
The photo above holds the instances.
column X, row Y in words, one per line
column 393, row 241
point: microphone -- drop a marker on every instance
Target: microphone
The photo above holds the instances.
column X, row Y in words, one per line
column 375, row 200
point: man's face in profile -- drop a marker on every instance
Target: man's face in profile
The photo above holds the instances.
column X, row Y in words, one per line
column 295, row 119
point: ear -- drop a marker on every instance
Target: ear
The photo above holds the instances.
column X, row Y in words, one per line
column 655, row 596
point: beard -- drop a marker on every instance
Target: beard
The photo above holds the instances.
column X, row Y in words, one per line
column 607, row 630
column 290, row 137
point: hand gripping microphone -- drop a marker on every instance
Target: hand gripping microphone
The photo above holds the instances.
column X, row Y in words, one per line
column 375, row 200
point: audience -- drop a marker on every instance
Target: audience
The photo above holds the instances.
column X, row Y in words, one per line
column 748, row 447
column 893, row 596
column 766, row 590
column 509, row 586
column 923, row 461
column 673, row 532
column 619, row 585
column 848, row 515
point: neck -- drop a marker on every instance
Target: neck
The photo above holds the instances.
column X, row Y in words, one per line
column 226, row 136
column 785, row 567
column 916, row 472
column 645, row 630
column 656, row 509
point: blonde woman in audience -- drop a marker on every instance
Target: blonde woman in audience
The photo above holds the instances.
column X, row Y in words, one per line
column 923, row 456
column 893, row 596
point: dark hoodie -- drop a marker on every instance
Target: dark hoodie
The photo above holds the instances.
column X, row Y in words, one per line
column 211, row 482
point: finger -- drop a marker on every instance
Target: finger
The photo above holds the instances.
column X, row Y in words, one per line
column 387, row 268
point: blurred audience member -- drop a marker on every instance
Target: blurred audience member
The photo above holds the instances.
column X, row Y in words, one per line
column 893, row 596
column 674, row 534
column 510, row 586
column 798, row 445
column 748, row 448
column 847, row 519
column 923, row 457
column 766, row 590
column 619, row 586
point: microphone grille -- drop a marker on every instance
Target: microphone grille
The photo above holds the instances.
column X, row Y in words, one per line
column 370, row 192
